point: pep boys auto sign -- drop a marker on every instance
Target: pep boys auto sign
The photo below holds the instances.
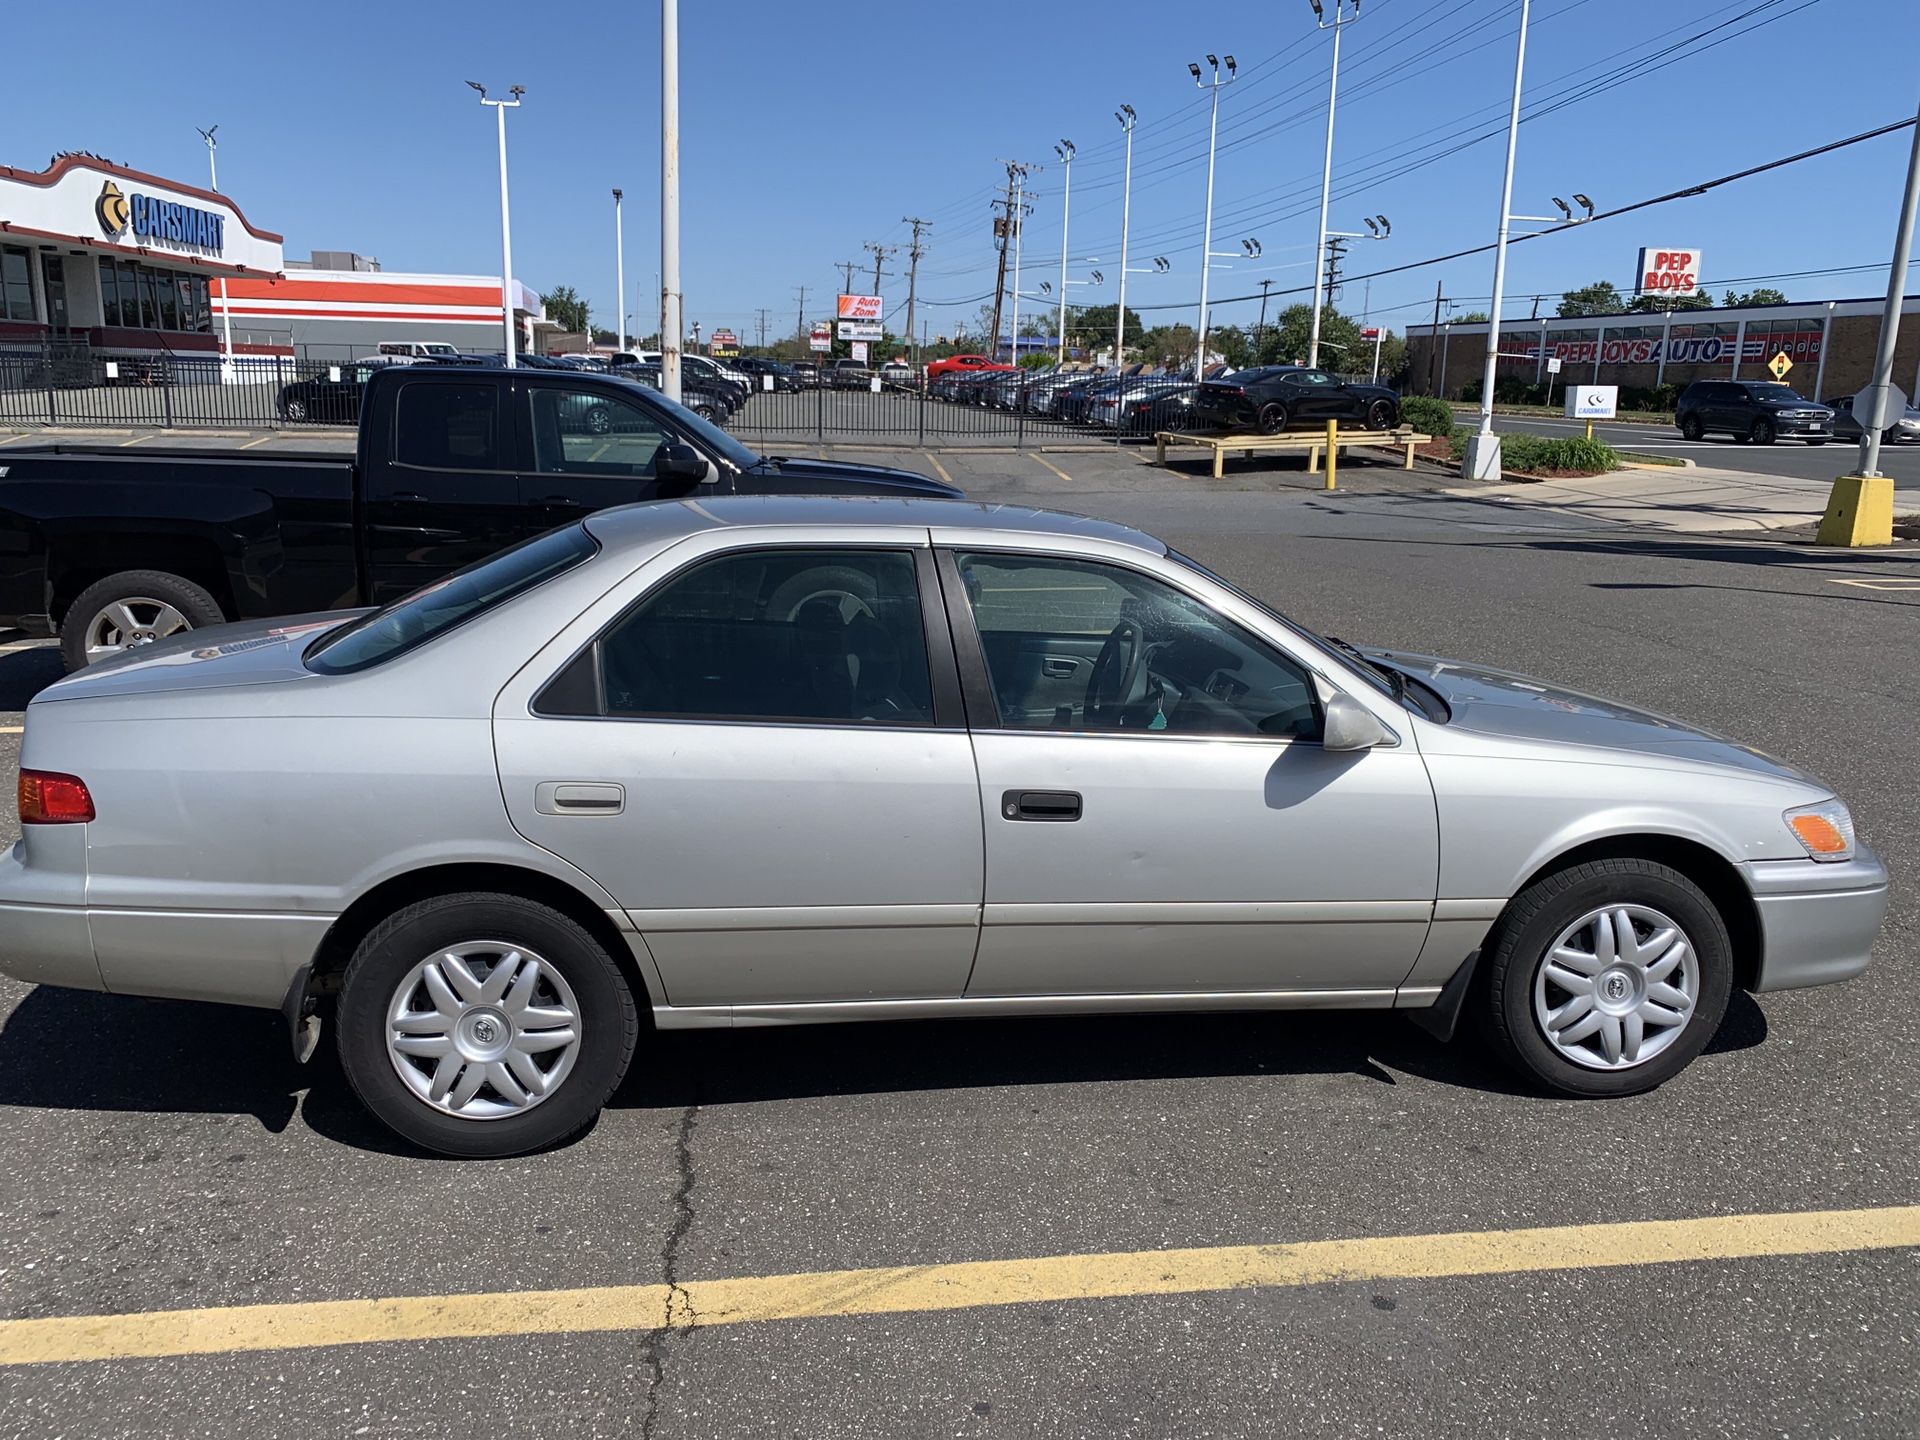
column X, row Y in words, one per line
column 1669, row 272
column 1683, row 349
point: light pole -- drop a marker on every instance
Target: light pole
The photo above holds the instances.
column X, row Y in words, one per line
column 670, row 299
column 1126, row 118
column 619, row 275
column 226, row 313
column 1340, row 18
column 500, row 108
column 1065, row 151
column 1206, row 242
column 1020, row 173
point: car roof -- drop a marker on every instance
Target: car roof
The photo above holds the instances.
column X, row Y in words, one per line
column 663, row 522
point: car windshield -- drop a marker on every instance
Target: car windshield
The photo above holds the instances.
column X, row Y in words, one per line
column 1767, row 390
column 434, row 609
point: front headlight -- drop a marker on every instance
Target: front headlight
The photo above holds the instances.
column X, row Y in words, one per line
column 1825, row 829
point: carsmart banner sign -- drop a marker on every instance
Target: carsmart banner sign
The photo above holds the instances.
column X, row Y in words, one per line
column 152, row 219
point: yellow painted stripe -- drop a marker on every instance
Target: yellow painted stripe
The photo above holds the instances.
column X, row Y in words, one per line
column 935, row 459
column 918, row 1288
column 261, row 441
column 1053, row 467
column 1890, row 584
column 13, row 729
column 136, row 440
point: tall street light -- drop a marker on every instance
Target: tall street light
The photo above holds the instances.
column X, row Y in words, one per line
column 500, row 108
column 1340, row 18
column 226, row 312
column 1206, row 244
column 619, row 276
column 1126, row 118
column 670, row 298
column 1483, row 447
column 1065, row 151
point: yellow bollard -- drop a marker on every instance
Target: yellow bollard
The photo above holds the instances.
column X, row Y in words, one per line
column 1589, row 429
column 1333, row 452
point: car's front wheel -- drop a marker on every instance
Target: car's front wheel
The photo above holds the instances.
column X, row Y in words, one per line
column 483, row 1025
column 1762, row 432
column 294, row 409
column 1382, row 415
column 1608, row 977
column 1692, row 429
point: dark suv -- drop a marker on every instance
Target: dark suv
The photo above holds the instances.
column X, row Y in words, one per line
column 1272, row 398
column 1757, row 410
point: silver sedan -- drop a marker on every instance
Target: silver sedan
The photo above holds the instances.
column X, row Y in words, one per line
column 769, row 761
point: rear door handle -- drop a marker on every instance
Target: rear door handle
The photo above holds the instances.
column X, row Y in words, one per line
column 1040, row 805
column 561, row 797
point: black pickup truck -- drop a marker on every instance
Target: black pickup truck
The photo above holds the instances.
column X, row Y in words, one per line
column 112, row 548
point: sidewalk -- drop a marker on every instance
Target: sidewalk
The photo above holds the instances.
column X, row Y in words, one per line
column 1688, row 500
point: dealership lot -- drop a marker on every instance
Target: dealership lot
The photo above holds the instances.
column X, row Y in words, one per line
column 161, row 1157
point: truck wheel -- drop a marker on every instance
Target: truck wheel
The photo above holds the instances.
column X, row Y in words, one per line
column 132, row 608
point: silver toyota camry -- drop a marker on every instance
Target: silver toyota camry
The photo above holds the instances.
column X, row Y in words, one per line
column 767, row 761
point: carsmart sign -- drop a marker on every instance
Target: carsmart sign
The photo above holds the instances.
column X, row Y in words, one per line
column 153, row 219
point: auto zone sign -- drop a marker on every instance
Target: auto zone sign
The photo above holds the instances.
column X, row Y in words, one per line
column 1669, row 272
column 860, row 307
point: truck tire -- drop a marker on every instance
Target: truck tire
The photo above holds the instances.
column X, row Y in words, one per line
column 132, row 608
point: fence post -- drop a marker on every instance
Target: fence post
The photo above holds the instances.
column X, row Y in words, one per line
column 920, row 413
column 820, row 409
column 1020, row 414
column 52, row 415
column 166, row 395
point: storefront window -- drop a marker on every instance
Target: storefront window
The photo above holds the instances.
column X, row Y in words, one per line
column 140, row 297
column 16, row 284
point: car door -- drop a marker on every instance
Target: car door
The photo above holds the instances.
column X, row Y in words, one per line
column 449, row 494
column 1316, row 397
column 583, row 449
column 1176, row 828
column 757, row 747
column 1727, row 409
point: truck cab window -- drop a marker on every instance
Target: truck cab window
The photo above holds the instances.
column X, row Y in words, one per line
column 591, row 432
column 447, row 425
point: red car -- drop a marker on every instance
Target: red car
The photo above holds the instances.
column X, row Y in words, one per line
column 964, row 363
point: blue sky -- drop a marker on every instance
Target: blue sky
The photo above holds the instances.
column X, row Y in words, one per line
column 810, row 129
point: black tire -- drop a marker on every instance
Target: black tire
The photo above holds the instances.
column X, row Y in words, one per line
column 198, row 607
column 1762, row 432
column 294, row 409
column 1272, row 418
column 703, row 410
column 609, row 1029
column 1382, row 415
column 1692, row 429
column 599, row 419
column 1533, row 922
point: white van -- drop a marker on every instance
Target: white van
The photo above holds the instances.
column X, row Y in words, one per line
column 420, row 349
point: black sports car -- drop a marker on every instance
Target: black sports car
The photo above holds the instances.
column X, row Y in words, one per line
column 1272, row 398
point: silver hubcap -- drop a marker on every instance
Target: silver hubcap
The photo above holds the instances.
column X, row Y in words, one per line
column 483, row 1030
column 137, row 620
column 1617, row 987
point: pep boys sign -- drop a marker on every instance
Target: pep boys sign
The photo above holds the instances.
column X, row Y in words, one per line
column 1669, row 272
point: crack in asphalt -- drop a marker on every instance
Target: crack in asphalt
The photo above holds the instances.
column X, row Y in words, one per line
column 653, row 1348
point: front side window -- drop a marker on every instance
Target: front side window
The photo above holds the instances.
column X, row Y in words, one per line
column 434, row 609
column 821, row 636
column 448, row 426
column 589, row 432
column 1313, row 377
column 1080, row 645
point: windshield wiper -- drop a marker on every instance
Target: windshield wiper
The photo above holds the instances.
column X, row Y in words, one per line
column 1395, row 680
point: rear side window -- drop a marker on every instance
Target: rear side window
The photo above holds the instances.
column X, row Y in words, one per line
column 437, row 608
column 448, row 425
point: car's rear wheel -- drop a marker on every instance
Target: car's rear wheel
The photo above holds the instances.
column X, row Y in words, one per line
column 1608, row 977
column 130, row 609
column 1692, row 429
column 1272, row 418
column 599, row 419
column 294, row 409
column 1762, row 432
column 481, row 1025
column 1382, row 415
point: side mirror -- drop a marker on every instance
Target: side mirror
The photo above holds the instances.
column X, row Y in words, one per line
column 680, row 464
column 1349, row 725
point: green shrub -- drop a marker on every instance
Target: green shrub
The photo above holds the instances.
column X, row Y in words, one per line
column 1537, row 452
column 1427, row 415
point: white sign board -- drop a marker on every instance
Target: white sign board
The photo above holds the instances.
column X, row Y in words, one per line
column 1668, row 272
column 113, row 369
column 1553, row 365
column 1592, row 402
column 860, row 307
column 860, row 351
column 820, row 338
column 862, row 330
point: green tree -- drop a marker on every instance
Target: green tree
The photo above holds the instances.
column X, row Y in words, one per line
column 565, row 308
column 1470, row 317
column 1167, row 345
column 1599, row 298
column 1288, row 339
column 1656, row 304
column 1765, row 295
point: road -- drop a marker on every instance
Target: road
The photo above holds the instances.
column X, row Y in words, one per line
column 161, row 1157
column 1792, row 458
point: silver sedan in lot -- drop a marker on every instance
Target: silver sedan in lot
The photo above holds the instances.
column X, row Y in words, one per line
column 773, row 760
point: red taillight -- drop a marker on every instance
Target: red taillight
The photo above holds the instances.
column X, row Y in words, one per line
column 49, row 798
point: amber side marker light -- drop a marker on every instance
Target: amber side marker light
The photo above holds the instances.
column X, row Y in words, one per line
column 1827, row 835
column 50, row 798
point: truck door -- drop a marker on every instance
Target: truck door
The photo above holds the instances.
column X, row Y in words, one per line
column 447, row 494
column 584, row 448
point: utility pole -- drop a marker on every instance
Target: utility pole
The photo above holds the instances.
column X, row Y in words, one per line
column 1437, row 300
column 670, row 298
column 1002, row 232
column 1261, row 328
column 846, row 266
column 760, row 321
column 914, row 252
column 880, row 253
column 800, row 320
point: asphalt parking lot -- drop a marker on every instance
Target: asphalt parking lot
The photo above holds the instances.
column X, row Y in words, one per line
column 1101, row 1193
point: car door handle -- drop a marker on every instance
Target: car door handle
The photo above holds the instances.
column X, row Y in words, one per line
column 1055, row 667
column 1040, row 805
column 558, row 500
column 559, row 797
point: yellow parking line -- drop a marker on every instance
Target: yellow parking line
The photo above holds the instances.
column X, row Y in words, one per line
column 1912, row 583
column 261, row 441
column 1053, row 467
column 13, row 729
column 134, row 441
column 935, row 460
column 919, row 1288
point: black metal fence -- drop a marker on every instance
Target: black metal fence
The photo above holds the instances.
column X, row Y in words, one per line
column 81, row 385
